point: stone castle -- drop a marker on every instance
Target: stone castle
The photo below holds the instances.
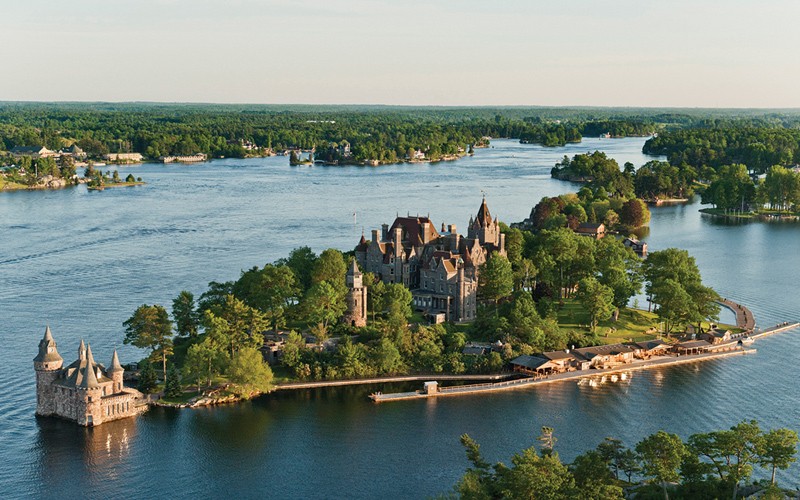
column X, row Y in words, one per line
column 440, row 268
column 85, row 392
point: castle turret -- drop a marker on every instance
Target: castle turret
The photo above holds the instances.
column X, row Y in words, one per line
column 47, row 364
column 356, row 313
column 115, row 372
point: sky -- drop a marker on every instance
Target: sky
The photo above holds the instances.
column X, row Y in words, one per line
column 680, row 53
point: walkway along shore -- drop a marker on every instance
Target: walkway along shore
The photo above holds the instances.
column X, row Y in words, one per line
column 744, row 317
column 655, row 362
column 560, row 377
column 382, row 380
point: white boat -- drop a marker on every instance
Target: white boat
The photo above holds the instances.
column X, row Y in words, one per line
column 747, row 341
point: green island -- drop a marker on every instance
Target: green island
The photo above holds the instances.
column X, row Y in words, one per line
column 717, row 464
column 29, row 172
column 546, row 289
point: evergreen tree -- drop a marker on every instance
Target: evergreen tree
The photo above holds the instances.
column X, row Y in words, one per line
column 148, row 380
column 172, row 386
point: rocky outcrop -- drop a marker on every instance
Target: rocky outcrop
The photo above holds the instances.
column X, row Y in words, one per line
column 50, row 182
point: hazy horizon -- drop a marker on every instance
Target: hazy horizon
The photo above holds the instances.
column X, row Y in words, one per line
column 685, row 54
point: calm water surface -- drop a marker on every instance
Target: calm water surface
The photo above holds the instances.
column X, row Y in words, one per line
column 82, row 262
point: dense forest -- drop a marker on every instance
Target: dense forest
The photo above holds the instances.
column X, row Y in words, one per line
column 758, row 146
column 381, row 133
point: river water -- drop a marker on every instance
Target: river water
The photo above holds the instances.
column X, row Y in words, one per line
column 82, row 262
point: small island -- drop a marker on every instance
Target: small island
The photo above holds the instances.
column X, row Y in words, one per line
column 508, row 305
column 40, row 168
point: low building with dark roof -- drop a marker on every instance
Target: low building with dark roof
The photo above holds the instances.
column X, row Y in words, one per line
column 32, row 151
column 592, row 230
column 692, row 347
column 85, row 392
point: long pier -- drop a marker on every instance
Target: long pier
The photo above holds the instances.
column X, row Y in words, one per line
column 661, row 361
column 383, row 380
column 560, row 377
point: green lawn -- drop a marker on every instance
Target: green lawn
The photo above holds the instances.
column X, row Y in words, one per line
column 183, row 398
column 633, row 324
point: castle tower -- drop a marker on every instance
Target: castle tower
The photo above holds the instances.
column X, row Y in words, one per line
column 486, row 230
column 114, row 372
column 48, row 368
column 90, row 393
column 356, row 313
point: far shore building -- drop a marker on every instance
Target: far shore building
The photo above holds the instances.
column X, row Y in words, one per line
column 34, row 152
column 85, row 392
column 124, row 157
column 439, row 267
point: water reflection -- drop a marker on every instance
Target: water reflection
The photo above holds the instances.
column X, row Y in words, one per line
column 101, row 451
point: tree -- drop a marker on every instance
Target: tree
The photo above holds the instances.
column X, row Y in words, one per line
column 778, row 449
column 148, row 380
column 204, row 361
column 150, row 328
column 324, row 304
column 272, row 290
column 187, row 318
column 611, row 451
column 496, row 279
column 397, row 300
column 386, row 358
column 330, row 267
column 293, row 350
column 634, row 213
column 547, row 439
column 593, row 477
column 674, row 283
column 172, row 386
column 535, row 476
column 597, row 299
column 301, row 261
column 250, row 372
column 661, row 455
column 242, row 324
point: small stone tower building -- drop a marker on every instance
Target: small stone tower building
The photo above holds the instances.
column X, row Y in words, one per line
column 85, row 392
column 356, row 313
column 47, row 365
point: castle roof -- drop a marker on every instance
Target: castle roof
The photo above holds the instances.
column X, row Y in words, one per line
column 47, row 349
column 484, row 218
column 89, row 380
column 362, row 244
column 414, row 230
column 115, row 366
column 82, row 373
column 353, row 271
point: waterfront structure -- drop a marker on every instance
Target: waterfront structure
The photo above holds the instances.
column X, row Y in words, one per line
column 591, row 229
column 184, row 158
column 639, row 247
column 124, row 157
column 440, row 268
column 356, row 312
column 85, row 392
